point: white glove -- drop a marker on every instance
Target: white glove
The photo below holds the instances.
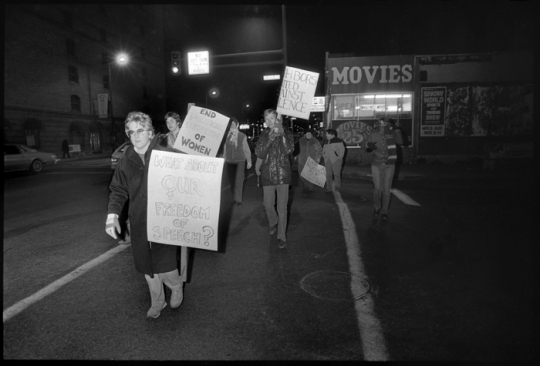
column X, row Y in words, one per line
column 111, row 224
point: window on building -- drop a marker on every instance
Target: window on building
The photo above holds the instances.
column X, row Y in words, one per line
column 75, row 103
column 371, row 106
column 68, row 18
column 70, row 46
column 103, row 35
column 73, row 74
column 145, row 93
column 32, row 138
column 143, row 54
column 106, row 81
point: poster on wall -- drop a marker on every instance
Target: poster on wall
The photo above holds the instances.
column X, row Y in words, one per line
column 184, row 195
column 433, row 105
column 297, row 92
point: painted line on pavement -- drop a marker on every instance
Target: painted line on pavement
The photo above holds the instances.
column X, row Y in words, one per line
column 371, row 335
column 41, row 294
column 404, row 198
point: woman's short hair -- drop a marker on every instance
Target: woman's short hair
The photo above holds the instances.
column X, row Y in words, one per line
column 141, row 118
column 175, row 116
column 331, row 131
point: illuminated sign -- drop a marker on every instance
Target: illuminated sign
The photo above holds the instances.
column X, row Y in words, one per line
column 271, row 77
column 198, row 63
column 317, row 105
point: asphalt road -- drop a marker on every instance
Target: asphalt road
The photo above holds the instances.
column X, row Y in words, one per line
column 451, row 279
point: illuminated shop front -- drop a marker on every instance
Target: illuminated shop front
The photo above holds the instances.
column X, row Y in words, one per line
column 360, row 90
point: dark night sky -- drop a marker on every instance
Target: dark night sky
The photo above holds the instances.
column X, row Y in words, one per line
column 365, row 28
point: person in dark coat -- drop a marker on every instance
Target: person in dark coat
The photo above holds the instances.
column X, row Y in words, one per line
column 309, row 147
column 274, row 167
column 158, row 262
column 65, row 149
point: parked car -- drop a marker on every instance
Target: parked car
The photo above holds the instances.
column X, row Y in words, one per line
column 19, row 157
column 118, row 154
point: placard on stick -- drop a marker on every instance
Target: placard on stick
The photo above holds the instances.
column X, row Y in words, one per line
column 201, row 132
column 314, row 173
column 297, row 92
column 184, row 195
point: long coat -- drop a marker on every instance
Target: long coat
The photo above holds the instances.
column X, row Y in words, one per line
column 276, row 163
column 311, row 148
column 130, row 182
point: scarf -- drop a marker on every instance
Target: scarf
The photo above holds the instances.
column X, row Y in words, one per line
column 390, row 144
column 233, row 137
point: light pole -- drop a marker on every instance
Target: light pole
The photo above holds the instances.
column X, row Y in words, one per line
column 121, row 59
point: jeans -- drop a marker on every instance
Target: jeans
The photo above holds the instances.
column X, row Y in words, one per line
column 335, row 170
column 269, row 200
column 382, row 179
column 236, row 177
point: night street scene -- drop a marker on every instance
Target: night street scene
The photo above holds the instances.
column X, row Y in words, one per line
column 303, row 181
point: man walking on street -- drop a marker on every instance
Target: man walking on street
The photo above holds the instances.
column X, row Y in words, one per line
column 333, row 153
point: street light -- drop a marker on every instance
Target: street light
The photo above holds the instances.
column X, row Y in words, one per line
column 213, row 93
column 244, row 106
column 120, row 59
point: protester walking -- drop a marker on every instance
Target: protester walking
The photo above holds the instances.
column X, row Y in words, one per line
column 309, row 147
column 382, row 142
column 237, row 154
column 158, row 262
column 174, row 123
column 333, row 153
column 273, row 165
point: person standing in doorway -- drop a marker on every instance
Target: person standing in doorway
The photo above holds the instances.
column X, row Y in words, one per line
column 309, row 147
column 333, row 153
column 274, row 167
column 65, row 149
column 158, row 262
column 237, row 154
column 382, row 142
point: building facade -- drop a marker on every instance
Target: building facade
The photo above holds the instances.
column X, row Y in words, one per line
column 449, row 107
column 62, row 80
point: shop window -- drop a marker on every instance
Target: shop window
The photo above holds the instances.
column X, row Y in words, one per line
column 73, row 74
column 70, row 47
column 75, row 103
column 371, row 106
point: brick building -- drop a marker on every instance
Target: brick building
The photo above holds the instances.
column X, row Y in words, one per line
column 59, row 57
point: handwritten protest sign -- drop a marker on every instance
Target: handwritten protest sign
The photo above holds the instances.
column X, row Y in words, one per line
column 313, row 172
column 201, row 132
column 297, row 91
column 184, row 195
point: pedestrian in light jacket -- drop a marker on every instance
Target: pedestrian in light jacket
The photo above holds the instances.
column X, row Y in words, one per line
column 309, row 147
column 333, row 153
column 158, row 262
column 274, row 167
column 237, row 154
column 382, row 142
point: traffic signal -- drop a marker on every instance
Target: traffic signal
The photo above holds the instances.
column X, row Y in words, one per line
column 175, row 62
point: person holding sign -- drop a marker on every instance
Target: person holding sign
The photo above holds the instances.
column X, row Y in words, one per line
column 237, row 154
column 156, row 261
column 309, row 147
column 274, row 167
column 333, row 152
column 174, row 123
column 382, row 142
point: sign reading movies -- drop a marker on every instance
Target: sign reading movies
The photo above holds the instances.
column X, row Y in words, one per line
column 297, row 92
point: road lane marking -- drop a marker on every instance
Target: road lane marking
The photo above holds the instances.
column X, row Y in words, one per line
column 404, row 198
column 371, row 335
column 41, row 294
